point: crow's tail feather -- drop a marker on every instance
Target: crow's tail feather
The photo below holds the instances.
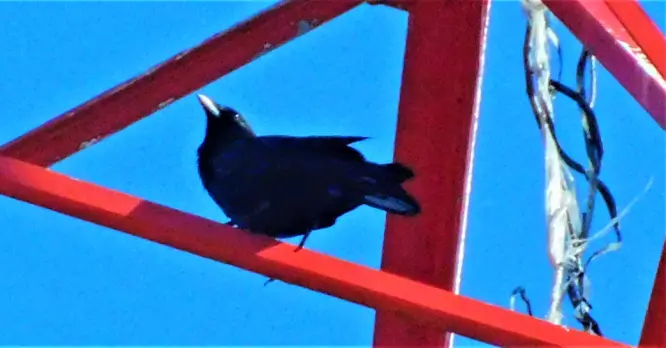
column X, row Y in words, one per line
column 398, row 171
column 401, row 203
column 385, row 192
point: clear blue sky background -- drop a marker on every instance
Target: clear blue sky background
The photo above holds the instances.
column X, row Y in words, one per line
column 65, row 281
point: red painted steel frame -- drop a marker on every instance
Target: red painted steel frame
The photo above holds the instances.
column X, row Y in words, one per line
column 187, row 71
column 429, row 112
column 435, row 133
column 422, row 303
column 643, row 30
column 603, row 34
column 654, row 327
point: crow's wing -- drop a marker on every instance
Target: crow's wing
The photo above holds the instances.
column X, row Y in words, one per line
column 336, row 147
column 277, row 181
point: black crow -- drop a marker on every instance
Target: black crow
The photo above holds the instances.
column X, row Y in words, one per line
column 284, row 186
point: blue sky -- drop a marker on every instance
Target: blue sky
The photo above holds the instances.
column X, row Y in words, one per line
column 65, row 281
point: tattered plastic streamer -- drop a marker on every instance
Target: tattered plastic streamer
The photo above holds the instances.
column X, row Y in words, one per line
column 561, row 204
column 520, row 291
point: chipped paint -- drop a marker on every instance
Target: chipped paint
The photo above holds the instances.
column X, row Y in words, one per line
column 165, row 103
column 305, row 26
column 180, row 55
column 267, row 47
column 86, row 144
column 302, row 27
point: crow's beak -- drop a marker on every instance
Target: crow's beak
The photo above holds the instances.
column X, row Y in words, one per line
column 208, row 105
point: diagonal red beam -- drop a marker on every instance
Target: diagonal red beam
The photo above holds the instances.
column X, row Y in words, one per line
column 604, row 35
column 189, row 70
column 642, row 30
column 397, row 4
column 435, row 135
column 429, row 305
column 654, row 327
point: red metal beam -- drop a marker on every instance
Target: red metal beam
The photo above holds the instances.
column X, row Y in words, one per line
column 604, row 35
column 398, row 4
column 429, row 305
column 189, row 70
column 435, row 136
column 654, row 327
column 643, row 30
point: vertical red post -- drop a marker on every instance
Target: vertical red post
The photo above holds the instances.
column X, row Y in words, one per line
column 654, row 327
column 435, row 136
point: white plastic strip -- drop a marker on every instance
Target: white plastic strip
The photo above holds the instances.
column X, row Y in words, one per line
column 562, row 210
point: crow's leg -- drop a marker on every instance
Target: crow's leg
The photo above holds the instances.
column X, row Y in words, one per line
column 299, row 247
column 230, row 223
column 302, row 243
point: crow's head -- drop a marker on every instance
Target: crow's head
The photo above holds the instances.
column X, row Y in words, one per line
column 224, row 125
column 222, row 120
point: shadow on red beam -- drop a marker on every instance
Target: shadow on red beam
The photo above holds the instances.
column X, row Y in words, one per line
column 603, row 34
column 131, row 101
column 359, row 284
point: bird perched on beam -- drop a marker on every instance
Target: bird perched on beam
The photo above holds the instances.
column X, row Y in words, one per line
column 283, row 186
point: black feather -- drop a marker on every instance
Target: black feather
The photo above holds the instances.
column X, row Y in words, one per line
column 400, row 172
column 284, row 186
